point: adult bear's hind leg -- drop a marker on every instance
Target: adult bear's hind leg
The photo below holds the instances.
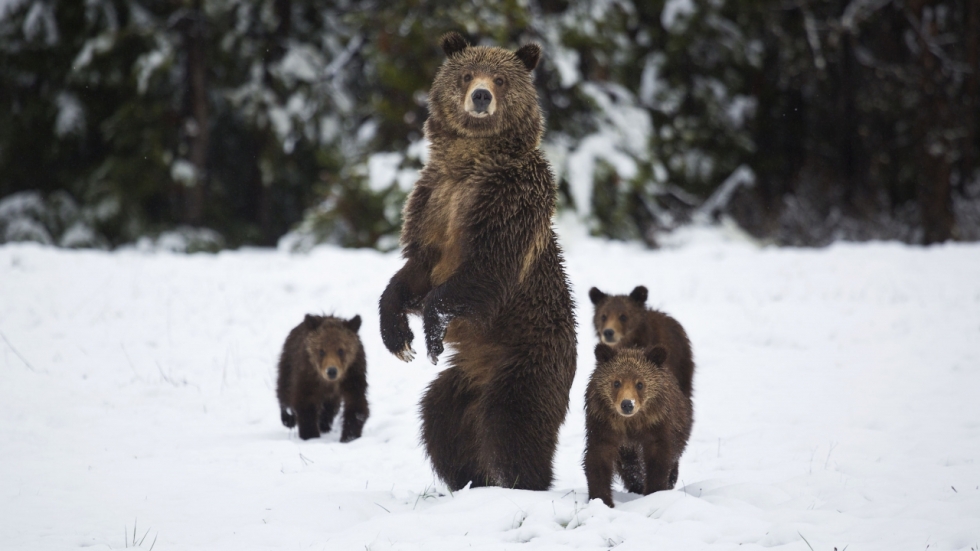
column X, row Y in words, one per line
column 520, row 430
column 447, row 433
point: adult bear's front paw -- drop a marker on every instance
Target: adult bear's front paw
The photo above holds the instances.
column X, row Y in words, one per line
column 433, row 344
column 435, row 330
column 397, row 336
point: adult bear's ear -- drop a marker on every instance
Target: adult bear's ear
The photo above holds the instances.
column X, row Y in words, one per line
column 312, row 322
column 656, row 354
column 354, row 323
column 529, row 54
column 453, row 43
column 596, row 296
column 604, row 353
column 639, row 295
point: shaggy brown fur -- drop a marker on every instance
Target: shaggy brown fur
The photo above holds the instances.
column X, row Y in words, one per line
column 637, row 422
column 624, row 321
column 484, row 270
column 322, row 364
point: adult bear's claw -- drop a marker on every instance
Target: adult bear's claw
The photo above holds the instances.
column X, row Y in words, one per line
column 407, row 354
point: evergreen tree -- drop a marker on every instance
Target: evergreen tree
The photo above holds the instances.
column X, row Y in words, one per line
column 236, row 122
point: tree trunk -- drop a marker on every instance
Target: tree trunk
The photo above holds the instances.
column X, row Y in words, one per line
column 933, row 187
column 275, row 50
column 198, row 129
column 972, row 103
column 848, row 145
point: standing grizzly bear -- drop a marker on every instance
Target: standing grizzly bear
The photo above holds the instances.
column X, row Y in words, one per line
column 484, row 270
column 624, row 321
column 637, row 421
column 322, row 364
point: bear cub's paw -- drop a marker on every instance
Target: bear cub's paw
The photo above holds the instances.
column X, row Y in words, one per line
column 288, row 417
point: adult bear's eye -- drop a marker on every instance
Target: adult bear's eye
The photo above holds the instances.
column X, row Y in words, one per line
column 639, row 386
column 340, row 354
column 467, row 77
column 616, row 384
column 499, row 81
column 622, row 318
column 603, row 317
column 322, row 353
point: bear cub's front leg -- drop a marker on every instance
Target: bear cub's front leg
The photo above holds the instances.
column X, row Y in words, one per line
column 288, row 417
column 355, row 414
column 327, row 412
column 307, row 421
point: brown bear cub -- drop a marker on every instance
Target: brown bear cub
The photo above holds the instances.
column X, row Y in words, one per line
column 484, row 270
column 322, row 364
column 624, row 321
column 637, row 422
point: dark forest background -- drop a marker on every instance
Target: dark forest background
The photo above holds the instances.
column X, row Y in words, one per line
column 214, row 123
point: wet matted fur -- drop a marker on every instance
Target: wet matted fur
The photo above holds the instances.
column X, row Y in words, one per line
column 484, row 270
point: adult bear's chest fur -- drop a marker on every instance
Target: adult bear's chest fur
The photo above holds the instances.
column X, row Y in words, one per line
column 447, row 214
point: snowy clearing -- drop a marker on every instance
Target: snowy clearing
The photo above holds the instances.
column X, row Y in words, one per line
column 836, row 405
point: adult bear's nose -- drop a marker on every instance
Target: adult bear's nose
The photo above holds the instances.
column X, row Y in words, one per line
column 331, row 373
column 609, row 334
column 627, row 406
column 481, row 99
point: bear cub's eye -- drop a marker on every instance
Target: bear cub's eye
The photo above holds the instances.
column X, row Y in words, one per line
column 603, row 317
column 622, row 318
column 340, row 354
column 639, row 386
column 322, row 353
column 499, row 81
column 467, row 77
column 616, row 384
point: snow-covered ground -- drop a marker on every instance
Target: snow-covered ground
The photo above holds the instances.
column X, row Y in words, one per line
column 837, row 405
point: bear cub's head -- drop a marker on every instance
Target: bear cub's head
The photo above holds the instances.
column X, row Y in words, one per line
column 483, row 91
column 630, row 379
column 332, row 345
column 617, row 315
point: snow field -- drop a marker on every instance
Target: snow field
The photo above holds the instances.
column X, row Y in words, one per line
column 836, row 405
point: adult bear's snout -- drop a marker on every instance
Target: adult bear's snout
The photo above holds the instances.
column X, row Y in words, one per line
column 481, row 99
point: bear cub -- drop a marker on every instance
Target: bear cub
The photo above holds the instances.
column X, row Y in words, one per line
column 624, row 321
column 637, row 422
column 322, row 365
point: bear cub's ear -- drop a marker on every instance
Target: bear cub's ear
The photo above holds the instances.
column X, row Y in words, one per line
column 604, row 353
column 529, row 54
column 639, row 295
column 596, row 296
column 453, row 43
column 354, row 323
column 312, row 322
column 656, row 354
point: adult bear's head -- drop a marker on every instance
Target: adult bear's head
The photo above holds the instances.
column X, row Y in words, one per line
column 482, row 91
